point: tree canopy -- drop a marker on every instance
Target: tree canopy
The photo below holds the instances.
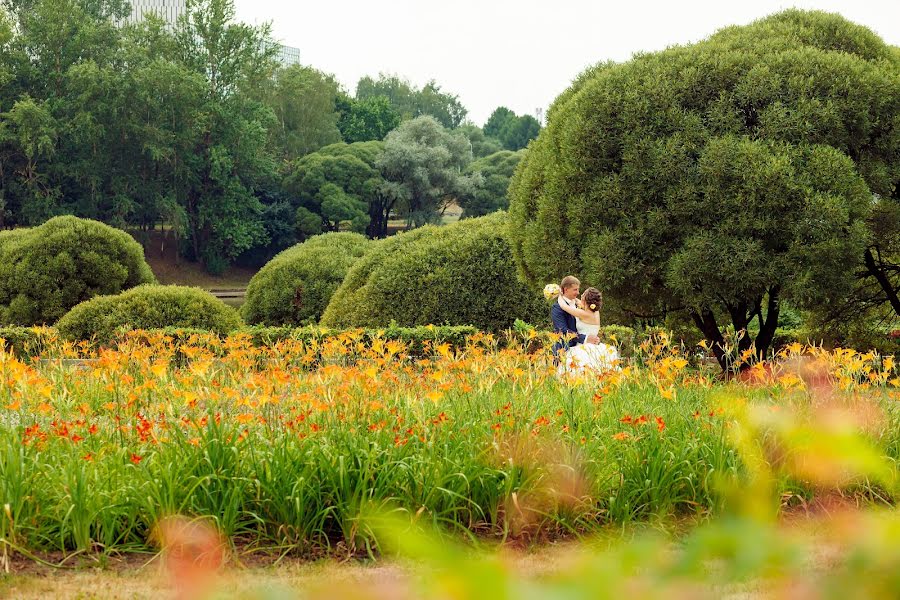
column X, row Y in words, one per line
column 411, row 102
column 367, row 120
column 717, row 178
column 512, row 131
column 340, row 183
column 423, row 167
column 303, row 100
column 490, row 196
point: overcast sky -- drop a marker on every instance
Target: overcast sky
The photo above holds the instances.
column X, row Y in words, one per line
column 517, row 53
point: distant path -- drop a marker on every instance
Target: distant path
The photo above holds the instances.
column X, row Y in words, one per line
column 231, row 296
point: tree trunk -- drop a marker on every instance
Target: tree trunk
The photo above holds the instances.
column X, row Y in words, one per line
column 882, row 279
column 706, row 322
column 767, row 328
column 740, row 319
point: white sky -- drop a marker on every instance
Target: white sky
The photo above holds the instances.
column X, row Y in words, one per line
column 517, row 53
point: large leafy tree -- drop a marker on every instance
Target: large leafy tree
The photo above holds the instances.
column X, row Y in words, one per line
column 423, row 166
column 303, row 100
column 137, row 124
column 340, row 184
column 411, row 102
column 45, row 45
column 366, row 120
column 512, row 131
column 718, row 178
column 490, row 196
column 231, row 155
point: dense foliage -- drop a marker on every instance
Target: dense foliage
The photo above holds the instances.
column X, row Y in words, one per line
column 422, row 165
column 47, row 270
column 341, row 184
column 495, row 170
column 190, row 125
column 511, row 130
column 460, row 274
column 410, row 102
column 304, row 102
column 148, row 307
column 295, row 287
column 717, row 178
column 366, row 120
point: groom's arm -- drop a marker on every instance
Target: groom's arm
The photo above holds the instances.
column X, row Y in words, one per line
column 558, row 316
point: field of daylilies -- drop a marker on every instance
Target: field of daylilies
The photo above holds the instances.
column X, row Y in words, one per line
column 291, row 448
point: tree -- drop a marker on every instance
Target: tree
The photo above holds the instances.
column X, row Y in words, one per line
column 443, row 106
column 367, row 120
column 495, row 170
column 718, row 178
column 29, row 128
column 411, row 102
column 231, row 155
column 340, row 183
column 44, row 43
column 518, row 132
column 303, row 100
column 481, row 144
column 512, row 131
column 498, row 121
column 47, row 270
column 422, row 165
column 294, row 287
column 399, row 93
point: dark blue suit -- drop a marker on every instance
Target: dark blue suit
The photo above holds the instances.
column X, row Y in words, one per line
column 564, row 324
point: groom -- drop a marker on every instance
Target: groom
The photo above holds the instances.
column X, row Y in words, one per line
column 563, row 322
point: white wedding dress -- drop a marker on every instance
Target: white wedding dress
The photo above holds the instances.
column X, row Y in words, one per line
column 585, row 359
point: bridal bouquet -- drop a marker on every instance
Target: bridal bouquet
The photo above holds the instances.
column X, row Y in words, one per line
column 551, row 291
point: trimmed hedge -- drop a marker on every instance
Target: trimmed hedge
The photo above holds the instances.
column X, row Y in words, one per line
column 148, row 307
column 47, row 270
column 460, row 274
column 30, row 341
column 295, row 287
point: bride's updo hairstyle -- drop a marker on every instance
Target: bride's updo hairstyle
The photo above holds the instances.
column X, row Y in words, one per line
column 593, row 299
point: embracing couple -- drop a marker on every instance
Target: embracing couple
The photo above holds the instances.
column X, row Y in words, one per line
column 578, row 322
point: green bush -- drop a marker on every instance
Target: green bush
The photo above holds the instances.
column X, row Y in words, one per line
column 294, row 287
column 47, row 270
column 148, row 307
column 461, row 274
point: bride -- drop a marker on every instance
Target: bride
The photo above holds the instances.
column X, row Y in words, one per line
column 583, row 358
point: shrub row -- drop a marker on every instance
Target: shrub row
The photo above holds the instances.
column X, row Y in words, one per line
column 29, row 341
column 418, row 341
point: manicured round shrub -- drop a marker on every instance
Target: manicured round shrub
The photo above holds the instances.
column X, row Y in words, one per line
column 461, row 274
column 47, row 270
column 148, row 307
column 294, row 287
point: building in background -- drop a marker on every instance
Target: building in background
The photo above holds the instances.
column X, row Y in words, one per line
column 288, row 55
column 171, row 11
